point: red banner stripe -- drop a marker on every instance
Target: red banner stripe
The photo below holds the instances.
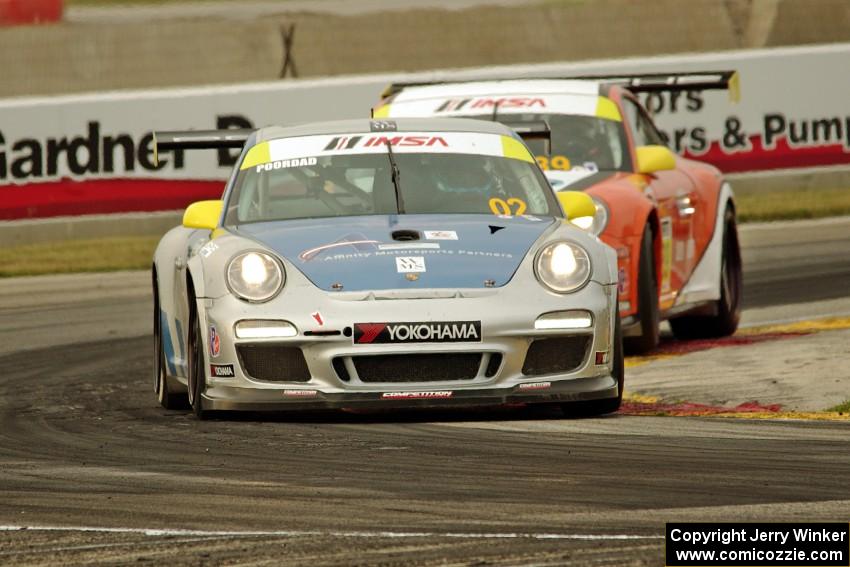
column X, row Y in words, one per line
column 102, row 196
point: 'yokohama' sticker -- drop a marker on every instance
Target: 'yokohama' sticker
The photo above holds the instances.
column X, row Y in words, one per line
column 419, row 332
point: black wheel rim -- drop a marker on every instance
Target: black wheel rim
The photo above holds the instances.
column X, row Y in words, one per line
column 195, row 365
column 157, row 345
column 729, row 272
column 157, row 369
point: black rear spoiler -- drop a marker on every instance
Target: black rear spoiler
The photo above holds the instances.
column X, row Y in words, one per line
column 531, row 131
column 199, row 140
column 637, row 83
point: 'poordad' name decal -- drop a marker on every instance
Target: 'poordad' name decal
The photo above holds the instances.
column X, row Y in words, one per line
column 419, row 332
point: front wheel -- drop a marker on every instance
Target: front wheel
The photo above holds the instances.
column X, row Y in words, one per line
column 728, row 308
column 647, row 296
column 197, row 375
column 607, row 405
column 166, row 398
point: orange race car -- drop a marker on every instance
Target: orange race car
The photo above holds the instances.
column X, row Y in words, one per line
column 671, row 220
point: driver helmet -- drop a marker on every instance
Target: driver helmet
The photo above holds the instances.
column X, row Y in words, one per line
column 462, row 174
column 584, row 141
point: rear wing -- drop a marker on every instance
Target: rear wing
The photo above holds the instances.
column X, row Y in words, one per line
column 530, row 131
column 672, row 82
column 198, row 140
column 637, row 83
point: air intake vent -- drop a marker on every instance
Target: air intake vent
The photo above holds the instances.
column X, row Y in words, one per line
column 273, row 363
column 341, row 370
column 405, row 235
column 494, row 364
column 556, row 355
column 434, row 367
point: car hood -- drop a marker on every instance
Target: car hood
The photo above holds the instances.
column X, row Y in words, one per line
column 365, row 253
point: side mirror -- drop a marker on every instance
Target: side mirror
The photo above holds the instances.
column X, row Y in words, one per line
column 654, row 158
column 577, row 204
column 203, row 214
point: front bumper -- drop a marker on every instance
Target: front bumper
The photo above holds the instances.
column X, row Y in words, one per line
column 563, row 390
column 507, row 318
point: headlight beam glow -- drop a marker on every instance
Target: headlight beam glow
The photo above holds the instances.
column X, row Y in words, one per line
column 563, row 266
column 264, row 329
column 255, row 276
column 574, row 319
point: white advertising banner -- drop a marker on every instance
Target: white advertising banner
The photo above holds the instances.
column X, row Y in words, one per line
column 93, row 153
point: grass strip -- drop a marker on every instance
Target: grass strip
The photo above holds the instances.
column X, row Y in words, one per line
column 841, row 409
column 100, row 255
column 792, row 204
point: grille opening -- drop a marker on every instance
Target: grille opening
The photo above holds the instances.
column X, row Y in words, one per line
column 340, row 369
column 430, row 367
column 273, row 363
column 494, row 364
column 556, row 355
column 321, row 333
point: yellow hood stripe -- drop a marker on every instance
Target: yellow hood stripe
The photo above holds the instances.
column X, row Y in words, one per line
column 258, row 155
column 605, row 108
column 514, row 149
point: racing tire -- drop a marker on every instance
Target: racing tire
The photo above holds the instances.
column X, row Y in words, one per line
column 728, row 308
column 608, row 405
column 648, row 315
column 166, row 398
column 196, row 375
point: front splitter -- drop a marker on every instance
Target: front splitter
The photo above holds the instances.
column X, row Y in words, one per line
column 575, row 390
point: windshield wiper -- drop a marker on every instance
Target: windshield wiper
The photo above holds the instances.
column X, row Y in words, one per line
column 396, row 177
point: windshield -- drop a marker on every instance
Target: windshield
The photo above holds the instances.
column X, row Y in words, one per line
column 338, row 181
column 565, row 142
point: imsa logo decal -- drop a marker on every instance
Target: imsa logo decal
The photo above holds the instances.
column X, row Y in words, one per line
column 420, row 332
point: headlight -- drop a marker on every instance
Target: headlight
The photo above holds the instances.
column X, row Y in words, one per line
column 597, row 223
column 563, row 266
column 255, row 276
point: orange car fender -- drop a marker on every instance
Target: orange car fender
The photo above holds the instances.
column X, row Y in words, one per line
column 707, row 184
column 629, row 213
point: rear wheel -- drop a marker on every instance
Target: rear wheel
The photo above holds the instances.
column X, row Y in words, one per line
column 165, row 397
column 728, row 308
column 647, row 298
column 608, row 405
column 197, row 374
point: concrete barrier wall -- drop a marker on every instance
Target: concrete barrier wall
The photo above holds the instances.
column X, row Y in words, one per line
column 86, row 57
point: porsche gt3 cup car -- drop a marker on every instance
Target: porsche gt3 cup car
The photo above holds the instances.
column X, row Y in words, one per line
column 670, row 219
column 380, row 264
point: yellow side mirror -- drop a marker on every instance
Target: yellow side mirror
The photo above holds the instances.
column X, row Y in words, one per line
column 654, row 158
column 576, row 204
column 203, row 214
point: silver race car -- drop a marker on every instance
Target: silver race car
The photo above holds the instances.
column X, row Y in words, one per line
column 413, row 262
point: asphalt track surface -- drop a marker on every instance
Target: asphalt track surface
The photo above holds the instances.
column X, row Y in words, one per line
column 85, row 448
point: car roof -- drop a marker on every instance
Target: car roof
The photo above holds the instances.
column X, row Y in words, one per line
column 501, row 88
column 400, row 125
